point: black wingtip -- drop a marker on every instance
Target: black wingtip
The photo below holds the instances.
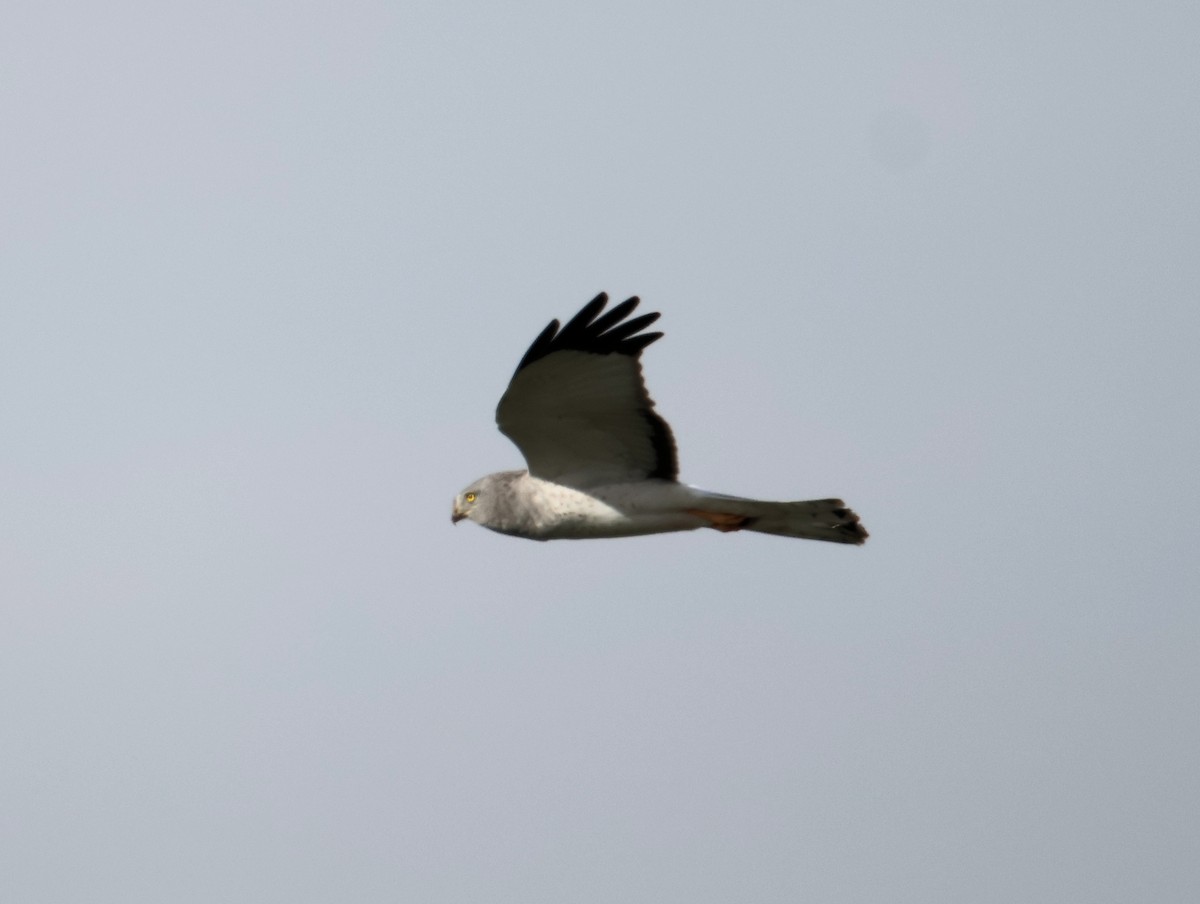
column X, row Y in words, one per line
column 596, row 331
column 615, row 314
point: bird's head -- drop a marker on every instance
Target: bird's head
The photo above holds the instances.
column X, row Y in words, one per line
column 491, row 502
column 468, row 502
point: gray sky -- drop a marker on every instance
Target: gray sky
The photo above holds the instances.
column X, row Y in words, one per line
column 266, row 269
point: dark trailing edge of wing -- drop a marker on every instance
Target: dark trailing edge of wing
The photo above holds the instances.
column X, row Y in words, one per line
column 597, row 335
column 610, row 334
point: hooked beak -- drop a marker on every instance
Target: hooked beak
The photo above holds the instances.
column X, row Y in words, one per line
column 456, row 515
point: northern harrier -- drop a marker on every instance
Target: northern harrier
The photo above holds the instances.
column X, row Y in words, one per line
column 602, row 463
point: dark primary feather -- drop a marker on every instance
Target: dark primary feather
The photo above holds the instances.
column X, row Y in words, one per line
column 603, row 336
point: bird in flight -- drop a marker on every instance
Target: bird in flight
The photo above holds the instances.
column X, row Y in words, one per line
column 602, row 462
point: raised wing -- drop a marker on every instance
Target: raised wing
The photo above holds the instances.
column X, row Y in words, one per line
column 577, row 406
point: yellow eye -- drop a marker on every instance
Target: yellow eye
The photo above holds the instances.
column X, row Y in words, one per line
column 470, row 497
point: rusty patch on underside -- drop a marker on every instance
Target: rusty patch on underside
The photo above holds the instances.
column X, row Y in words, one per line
column 721, row 521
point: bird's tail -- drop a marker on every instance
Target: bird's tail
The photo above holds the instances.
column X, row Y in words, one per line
column 816, row 519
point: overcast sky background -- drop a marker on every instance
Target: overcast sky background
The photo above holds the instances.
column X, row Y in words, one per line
column 265, row 270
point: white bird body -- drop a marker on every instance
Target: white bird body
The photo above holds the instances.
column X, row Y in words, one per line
column 602, row 462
